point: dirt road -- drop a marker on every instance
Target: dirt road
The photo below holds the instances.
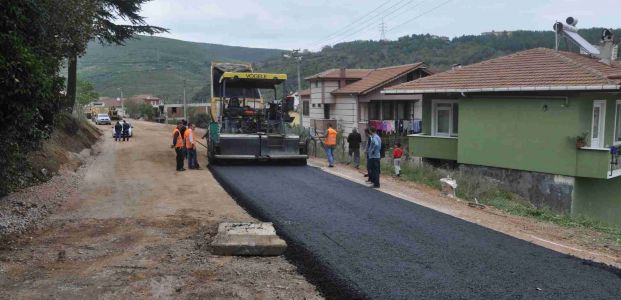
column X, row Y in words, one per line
column 136, row 228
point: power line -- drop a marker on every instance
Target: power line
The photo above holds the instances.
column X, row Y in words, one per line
column 422, row 14
column 350, row 24
column 363, row 28
column 370, row 21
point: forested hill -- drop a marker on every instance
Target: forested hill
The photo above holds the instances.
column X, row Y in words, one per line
column 437, row 52
column 156, row 65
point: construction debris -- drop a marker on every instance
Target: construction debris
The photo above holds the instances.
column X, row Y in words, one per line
column 449, row 186
column 247, row 239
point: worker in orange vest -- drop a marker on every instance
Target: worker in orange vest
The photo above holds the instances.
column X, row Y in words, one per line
column 179, row 144
column 330, row 144
column 190, row 146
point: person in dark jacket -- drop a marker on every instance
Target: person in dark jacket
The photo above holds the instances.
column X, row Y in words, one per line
column 125, row 131
column 354, row 139
column 118, row 129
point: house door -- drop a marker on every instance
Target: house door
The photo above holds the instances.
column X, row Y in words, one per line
column 597, row 125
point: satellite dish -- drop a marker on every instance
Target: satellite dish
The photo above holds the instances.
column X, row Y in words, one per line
column 572, row 21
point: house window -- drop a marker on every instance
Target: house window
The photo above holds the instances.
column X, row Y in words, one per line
column 374, row 110
column 326, row 111
column 388, row 111
column 174, row 110
column 597, row 124
column 404, row 110
column 618, row 122
column 445, row 114
column 316, row 83
column 305, row 108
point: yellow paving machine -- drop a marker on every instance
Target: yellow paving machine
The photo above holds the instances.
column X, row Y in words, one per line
column 244, row 125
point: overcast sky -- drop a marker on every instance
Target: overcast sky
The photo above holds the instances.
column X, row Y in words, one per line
column 310, row 24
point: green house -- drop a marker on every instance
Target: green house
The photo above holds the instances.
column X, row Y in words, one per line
column 518, row 118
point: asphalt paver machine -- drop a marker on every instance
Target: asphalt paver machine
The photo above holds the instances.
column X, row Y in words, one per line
column 245, row 126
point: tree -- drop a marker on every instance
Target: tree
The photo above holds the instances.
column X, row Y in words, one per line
column 86, row 92
column 103, row 28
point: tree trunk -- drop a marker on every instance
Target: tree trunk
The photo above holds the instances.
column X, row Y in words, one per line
column 72, row 81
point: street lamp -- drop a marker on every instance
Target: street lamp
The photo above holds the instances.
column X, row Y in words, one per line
column 122, row 102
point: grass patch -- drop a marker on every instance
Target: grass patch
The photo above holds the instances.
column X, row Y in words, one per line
column 487, row 191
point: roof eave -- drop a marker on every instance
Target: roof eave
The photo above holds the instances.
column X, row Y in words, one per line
column 610, row 87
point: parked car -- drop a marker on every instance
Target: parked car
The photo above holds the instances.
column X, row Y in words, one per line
column 131, row 129
column 102, row 119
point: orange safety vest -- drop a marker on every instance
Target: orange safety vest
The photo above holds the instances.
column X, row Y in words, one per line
column 186, row 136
column 180, row 141
column 330, row 137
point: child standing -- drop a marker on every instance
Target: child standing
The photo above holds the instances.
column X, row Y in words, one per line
column 396, row 155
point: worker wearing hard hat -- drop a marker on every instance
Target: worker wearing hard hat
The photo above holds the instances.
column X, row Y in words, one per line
column 330, row 144
column 179, row 144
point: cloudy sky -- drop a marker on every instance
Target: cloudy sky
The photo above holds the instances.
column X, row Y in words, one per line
column 310, row 24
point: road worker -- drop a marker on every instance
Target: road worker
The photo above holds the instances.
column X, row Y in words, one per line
column 330, row 144
column 190, row 146
column 179, row 144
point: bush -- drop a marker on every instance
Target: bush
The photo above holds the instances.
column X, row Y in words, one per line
column 30, row 90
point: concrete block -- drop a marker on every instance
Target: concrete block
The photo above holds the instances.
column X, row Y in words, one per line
column 247, row 239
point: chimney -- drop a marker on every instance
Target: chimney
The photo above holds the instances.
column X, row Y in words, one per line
column 607, row 47
column 342, row 81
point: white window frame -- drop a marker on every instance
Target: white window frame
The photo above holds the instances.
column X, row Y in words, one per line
column 599, row 142
column 434, row 116
column 615, row 142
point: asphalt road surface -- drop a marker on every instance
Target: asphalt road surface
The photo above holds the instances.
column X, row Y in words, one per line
column 364, row 243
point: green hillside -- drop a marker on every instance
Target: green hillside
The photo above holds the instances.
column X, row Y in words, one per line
column 440, row 54
column 158, row 66
column 155, row 65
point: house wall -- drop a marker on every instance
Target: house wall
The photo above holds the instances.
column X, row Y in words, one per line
column 519, row 133
column 598, row 199
column 528, row 144
column 320, row 95
column 345, row 111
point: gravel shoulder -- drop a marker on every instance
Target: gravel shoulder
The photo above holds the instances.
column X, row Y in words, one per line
column 127, row 225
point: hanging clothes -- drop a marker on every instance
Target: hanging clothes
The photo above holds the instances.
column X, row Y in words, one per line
column 417, row 126
column 406, row 127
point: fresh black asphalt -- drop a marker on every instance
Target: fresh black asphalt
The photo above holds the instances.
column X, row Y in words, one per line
column 359, row 242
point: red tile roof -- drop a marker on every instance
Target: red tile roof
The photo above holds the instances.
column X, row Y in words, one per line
column 538, row 69
column 305, row 93
column 378, row 77
column 336, row 74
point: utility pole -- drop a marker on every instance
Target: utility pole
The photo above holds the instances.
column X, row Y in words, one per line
column 297, row 57
column 185, row 106
column 122, row 102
